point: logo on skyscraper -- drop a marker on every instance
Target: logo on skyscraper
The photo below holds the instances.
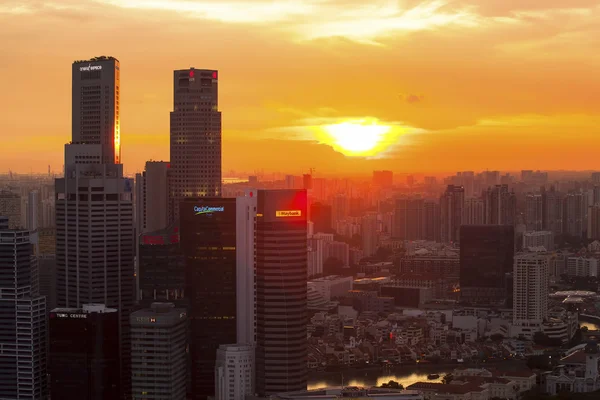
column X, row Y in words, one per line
column 207, row 210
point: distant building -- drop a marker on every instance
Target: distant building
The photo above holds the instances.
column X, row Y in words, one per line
column 432, row 221
column 575, row 373
column 409, row 219
column 369, row 234
column 337, row 250
column 84, row 353
column 530, row 288
column 159, row 352
column 153, row 208
column 486, row 257
column 534, row 212
column 321, row 216
column 452, row 204
column 538, row 239
column 332, row 286
column 383, row 179
column 552, row 211
column 234, row 372
column 10, row 207
column 355, row 393
column 582, row 266
column 593, row 230
column 574, row 214
column 500, row 206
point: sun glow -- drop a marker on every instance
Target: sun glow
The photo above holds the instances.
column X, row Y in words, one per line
column 360, row 138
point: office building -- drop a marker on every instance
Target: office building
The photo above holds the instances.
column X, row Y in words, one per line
column 159, row 352
column 10, row 207
column 369, row 234
column 539, row 239
column 530, row 288
column 486, row 258
column 383, row 179
column 208, row 241
column 452, row 204
column 409, row 219
column 533, row 212
column 95, row 110
column 322, row 218
column 195, row 136
column 84, row 353
column 95, row 261
column 23, row 320
column 574, row 212
column 281, row 302
column 152, row 201
column 552, row 211
column 161, row 268
column 474, row 212
column 234, row 372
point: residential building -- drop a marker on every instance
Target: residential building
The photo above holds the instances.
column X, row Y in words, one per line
column 552, row 211
column 543, row 239
column 530, row 288
column 452, row 203
column 234, row 372
column 534, row 212
column 582, row 266
column 369, row 234
column 322, row 217
column 474, row 212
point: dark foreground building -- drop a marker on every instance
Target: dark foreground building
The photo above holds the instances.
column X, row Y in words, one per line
column 486, row 258
column 208, row 241
column 84, row 353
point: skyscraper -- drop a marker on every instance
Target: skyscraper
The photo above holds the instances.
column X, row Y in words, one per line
column 23, row 320
column 552, row 211
column 95, row 109
column 95, row 244
column 152, row 203
column 500, row 206
column 84, row 353
column 474, row 212
column 573, row 214
column 452, row 204
column 368, row 232
column 409, row 219
column 234, row 372
column 208, row 240
column 159, row 352
column 281, row 285
column 534, row 212
column 432, row 221
column 195, row 136
column 486, row 257
column 530, row 288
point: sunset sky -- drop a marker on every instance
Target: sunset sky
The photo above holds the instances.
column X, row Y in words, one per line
column 447, row 85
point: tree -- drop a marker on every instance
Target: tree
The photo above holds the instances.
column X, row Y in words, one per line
column 392, row 385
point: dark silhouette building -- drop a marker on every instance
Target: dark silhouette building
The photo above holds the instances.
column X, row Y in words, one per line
column 161, row 271
column 208, row 241
column 84, row 353
column 486, row 258
column 321, row 217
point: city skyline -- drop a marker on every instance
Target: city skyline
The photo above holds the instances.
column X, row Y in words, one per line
column 449, row 85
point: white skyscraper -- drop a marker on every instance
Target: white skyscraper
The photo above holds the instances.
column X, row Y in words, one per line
column 234, row 372
column 530, row 288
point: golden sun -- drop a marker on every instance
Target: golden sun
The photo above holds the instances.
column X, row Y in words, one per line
column 359, row 138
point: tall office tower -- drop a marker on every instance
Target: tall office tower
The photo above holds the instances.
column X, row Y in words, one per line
column 281, row 302
column 432, row 221
column 161, row 270
column 321, row 216
column 409, row 219
column 452, row 205
column 552, row 211
column 538, row 239
column 573, row 214
column 84, row 353
column 159, row 352
column 23, row 321
column 195, row 136
column 530, row 288
column 152, row 203
column 10, row 207
column 208, row 241
column 500, row 206
column 234, row 372
column 383, row 179
column 486, row 257
column 593, row 231
column 368, row 232
column 95, row 110
column 533, row 212
column 474, row 212
column 33, row 210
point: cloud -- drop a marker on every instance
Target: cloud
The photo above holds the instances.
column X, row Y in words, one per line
column 411, row 98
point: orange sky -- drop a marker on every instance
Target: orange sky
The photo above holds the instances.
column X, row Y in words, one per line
column 469, row 84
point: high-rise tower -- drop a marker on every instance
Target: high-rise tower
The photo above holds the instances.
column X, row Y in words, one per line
column 94, row 204
column 195, row 136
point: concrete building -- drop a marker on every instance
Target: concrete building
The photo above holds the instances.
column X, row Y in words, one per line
column 543, row 239
column 337, row 250
column 452, row 204
column 332, row 286
column 574, row 214
column 582, row 266
column 23, row 320
column 234, row 372
column 409, row 219
column 84, row 353
column 474, row 212
column 33, row 211
column 315, row 256
column 159, row 352
column 500, row 206
column 432, row 221
column 534, row 212
column 530, row 288
column 593, row 222
column 552, row 211
column 152, row 203
column 369, row 234
column 576, row 373
column 10, row 207
column 321, row 216
column 195, row 138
